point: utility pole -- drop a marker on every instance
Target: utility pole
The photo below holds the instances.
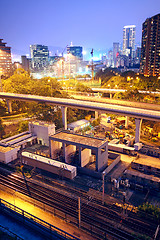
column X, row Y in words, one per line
column 79, row 211
column 103, row 174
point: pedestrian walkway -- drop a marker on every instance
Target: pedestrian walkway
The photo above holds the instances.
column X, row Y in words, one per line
column 18, row 229
column 16, row 200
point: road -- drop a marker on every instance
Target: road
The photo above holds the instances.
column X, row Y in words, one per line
column 130, row 111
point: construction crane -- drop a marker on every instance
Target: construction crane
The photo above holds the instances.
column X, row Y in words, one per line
column 92, row 66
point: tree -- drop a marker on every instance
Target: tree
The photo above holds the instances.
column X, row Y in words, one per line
column 82, row 88
column 3, row 108
column 1, row 129
column 23, row 126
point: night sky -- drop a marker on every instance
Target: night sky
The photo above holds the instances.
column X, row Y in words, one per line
column 55, row 23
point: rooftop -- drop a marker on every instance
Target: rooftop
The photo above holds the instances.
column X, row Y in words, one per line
column 78, row 123
column 5, row 149
column 75, row 138
column 41, row 123
column 49, row 161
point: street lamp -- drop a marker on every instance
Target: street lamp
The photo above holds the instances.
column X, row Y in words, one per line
column 51, row 85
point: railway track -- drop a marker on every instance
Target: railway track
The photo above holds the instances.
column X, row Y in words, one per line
column 102, row 220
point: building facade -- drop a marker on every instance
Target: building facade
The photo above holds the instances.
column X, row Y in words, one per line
column 5, row 59
column 76, row 51
column 25, row 63
column 129, row 33
column 39, row 56
column 150, row 50
column 115, row 52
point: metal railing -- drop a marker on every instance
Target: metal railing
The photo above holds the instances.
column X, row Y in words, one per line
column 11, row 234
column 36, row 222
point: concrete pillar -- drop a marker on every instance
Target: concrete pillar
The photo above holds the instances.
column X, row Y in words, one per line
column 64, row 151
column 96, row 114
column 126, row 122
column 80, row 149
column 138, row 122
column 64, row 117
column 110, row 95
column 9, row 105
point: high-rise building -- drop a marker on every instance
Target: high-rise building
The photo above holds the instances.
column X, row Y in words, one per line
column 150, row 50
column 5, row 59
column 129, row 33
column 39, row 56
column 110, row 58
column 76, row 51
column 137, row 55
column 25, row 63
column 115, row 53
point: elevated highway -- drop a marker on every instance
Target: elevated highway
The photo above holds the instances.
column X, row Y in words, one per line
column 137, row 113
column 110, row 90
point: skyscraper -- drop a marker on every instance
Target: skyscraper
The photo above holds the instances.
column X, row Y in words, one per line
column 115, row 53
column 76, row 51
column 150, row 50
column 39, row 56
column 5, row 59
column 129, row 33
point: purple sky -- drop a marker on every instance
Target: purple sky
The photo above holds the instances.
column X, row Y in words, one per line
column 88, row 23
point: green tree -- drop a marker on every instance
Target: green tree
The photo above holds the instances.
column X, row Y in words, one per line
column 23, row 126
column 82, row 88
column 1, row 129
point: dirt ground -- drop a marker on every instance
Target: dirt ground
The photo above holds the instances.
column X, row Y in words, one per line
column 11, row 129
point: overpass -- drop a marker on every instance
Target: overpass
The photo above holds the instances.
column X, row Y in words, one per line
column 113, row 91
column 137, row 113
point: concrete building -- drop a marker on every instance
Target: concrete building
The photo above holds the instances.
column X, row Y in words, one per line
column 137, row 55
column 39, row 56
column 78, row 125
column 38, row 132
column 150, row 50
column 129, row 40
column 49, row 165
column 76, row 51
column 86, row 146
column 8, row 154
column 9, row 147
column 42, row 130
column 110, row 58
column 20, row 140
column 115, row 53
column 25, row 63
column 5, row 59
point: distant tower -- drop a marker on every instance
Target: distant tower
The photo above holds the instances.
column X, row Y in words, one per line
column 150, row 50
column 115, row 53
column 5, row 59
column 39, row 56
column 110, row 58
column 129, row 33
column 25, row 63
column 76, row 51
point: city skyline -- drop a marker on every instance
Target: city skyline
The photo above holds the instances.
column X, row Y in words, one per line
column 56, row 24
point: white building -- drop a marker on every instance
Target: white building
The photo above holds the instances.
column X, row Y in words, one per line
column 42, row 130
column 8, row 154
column 78, row 125
column 129, row 33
